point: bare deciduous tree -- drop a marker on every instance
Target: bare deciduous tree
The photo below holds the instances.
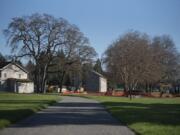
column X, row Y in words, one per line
column 166, row 54
column 39, row 37
column 76, row 52
column 130, row 61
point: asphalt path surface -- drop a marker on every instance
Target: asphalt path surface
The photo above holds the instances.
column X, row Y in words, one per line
column 70, row 116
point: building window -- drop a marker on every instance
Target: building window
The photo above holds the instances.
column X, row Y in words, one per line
column 5, row 75
column 0, row 74
column 19, row 75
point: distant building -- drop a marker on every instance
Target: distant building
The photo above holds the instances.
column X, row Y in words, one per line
column 95, row 82
column 14, row 78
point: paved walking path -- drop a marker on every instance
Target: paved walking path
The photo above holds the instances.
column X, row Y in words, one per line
column 71, row 116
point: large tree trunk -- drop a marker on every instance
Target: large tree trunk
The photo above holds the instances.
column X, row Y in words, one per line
column 44, row 86
column 43, row 89
column 130, row 94
column 130, row 91
column 147, row 87
column 37, row 79
column 44, row 79
column 61, row 80
column 126, row 89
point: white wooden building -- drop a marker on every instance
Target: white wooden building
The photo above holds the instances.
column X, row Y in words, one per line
column 96, row 82
column 14, row 78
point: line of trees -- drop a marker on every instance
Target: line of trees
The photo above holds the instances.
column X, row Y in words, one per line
column 52, row 45
column 59, row 53
column 135, row 59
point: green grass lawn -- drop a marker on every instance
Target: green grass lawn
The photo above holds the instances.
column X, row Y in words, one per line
column 146, row 116
column 14, row 107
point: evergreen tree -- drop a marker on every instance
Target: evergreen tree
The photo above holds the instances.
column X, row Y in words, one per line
column 2, row 58
column 98, row 66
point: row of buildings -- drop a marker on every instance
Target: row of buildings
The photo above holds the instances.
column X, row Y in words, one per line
column 14, row 78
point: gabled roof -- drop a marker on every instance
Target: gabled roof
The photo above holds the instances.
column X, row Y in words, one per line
column 98, row 74
column 4, row 64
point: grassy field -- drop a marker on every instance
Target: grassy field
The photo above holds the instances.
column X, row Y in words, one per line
column 146, row 116
column 14, row 107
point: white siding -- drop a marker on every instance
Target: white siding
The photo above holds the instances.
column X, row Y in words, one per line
column 103, row 84
column 12, row 71
column 25, row 87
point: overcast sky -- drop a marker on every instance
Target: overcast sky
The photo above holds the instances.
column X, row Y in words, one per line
column 102, row 21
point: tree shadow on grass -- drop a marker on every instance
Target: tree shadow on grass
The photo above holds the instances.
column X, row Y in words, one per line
column 12, row 116
column 156, row 113
column 78, row 113
column 24, row 102
column 12, row 111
